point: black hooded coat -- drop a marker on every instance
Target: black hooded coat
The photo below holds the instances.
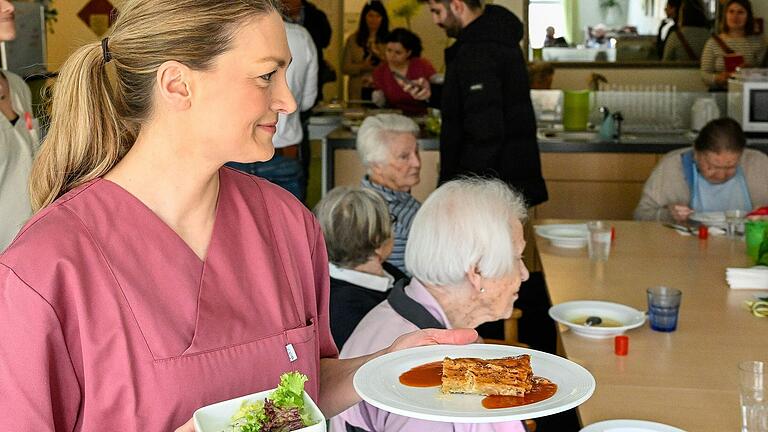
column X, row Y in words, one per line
column 488, row 122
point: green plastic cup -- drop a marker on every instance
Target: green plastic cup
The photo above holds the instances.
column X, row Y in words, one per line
column 575, row 110
column 756, row 235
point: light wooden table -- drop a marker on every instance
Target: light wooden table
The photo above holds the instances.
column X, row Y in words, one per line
column 687, row 378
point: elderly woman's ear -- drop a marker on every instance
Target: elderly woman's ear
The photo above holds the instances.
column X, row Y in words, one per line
column 475, row 278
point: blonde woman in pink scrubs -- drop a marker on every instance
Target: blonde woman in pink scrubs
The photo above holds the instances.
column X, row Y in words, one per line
column 152, row 281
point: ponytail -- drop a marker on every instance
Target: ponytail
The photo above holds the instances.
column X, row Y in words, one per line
column 94, row 125
column 85, row 139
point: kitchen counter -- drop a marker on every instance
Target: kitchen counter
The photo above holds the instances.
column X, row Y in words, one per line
column 586, row 178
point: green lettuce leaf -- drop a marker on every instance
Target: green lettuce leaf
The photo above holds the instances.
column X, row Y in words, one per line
column 290, row 392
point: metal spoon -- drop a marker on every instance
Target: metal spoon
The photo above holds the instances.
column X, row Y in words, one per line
column 593, row 321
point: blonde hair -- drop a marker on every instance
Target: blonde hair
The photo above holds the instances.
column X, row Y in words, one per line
column 355, row 222
column 94, row 124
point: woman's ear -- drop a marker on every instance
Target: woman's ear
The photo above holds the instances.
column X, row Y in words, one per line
column 173, row 82
column 475, row 278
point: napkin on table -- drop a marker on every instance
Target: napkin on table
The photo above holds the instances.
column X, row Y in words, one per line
column 747, row 278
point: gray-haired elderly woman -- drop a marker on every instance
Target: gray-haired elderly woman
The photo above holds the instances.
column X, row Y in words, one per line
column 358, row 236
column 464, row 252
column 386, row 144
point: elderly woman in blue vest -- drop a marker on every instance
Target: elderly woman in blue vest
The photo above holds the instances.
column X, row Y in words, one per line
column 387, row 146
column 718, row 174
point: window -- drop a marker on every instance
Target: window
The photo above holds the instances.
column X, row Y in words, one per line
column 543, row 14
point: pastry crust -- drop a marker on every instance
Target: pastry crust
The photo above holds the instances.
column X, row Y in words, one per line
column 510, row 376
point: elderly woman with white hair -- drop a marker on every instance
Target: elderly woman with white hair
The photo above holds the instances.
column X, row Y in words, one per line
column 358, row 236
column 464, row 253
column 387, row 146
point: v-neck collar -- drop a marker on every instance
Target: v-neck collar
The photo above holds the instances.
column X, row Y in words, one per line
column 171, row 232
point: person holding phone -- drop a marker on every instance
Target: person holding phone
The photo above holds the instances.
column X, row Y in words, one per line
column 403, row 66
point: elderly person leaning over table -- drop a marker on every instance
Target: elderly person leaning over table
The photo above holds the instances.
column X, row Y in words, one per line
column 465, row 256
column 386, row 144
column 717, row 174
column 358, row 236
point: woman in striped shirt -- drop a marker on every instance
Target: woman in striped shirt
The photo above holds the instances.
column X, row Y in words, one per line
column 738, row 36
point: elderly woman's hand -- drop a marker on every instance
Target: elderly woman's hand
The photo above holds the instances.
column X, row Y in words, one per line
column 679, row 212
column 419, row 88
column 433, row 337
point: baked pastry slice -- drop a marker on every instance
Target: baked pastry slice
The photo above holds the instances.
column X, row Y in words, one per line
column 510, row 376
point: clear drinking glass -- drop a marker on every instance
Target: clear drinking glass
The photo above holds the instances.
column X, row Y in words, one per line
column 734, row 219
column 753, row 392
column 663, row 308
column 599, row 243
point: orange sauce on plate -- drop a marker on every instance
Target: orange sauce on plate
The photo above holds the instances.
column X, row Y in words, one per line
column 431, row 375
column 542, row 389
column 426, row 375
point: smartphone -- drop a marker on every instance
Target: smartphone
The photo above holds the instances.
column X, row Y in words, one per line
column 402, row 77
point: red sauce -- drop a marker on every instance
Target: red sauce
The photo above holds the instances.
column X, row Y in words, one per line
column 426, row 375
column 542, row 389
column 431, row 375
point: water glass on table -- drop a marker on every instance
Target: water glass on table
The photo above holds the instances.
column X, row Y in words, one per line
column 734, row 219
column 599, row 243
column 663, row 308
column 754, row 394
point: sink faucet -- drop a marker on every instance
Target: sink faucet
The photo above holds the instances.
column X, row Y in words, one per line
column 610, row 129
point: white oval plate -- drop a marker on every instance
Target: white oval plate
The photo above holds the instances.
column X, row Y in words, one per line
column 571, row 236
column 565, row 312
column 218, row 417
column 629, row 426
column 377, row 382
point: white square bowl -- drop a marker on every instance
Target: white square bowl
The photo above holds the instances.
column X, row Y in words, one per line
column 218, row 417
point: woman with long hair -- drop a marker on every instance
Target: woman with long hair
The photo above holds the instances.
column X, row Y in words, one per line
column 153, row 281
column 364, row 50
column 735, row 45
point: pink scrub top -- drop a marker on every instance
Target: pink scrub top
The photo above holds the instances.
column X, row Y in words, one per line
column 109, row 321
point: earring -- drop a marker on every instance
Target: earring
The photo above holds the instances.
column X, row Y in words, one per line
column 482, row 290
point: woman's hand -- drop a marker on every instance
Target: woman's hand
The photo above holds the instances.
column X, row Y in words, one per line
column 433, row 337
column 186, row 427
column 679, row 212
column 419, row 88
column 722, row 78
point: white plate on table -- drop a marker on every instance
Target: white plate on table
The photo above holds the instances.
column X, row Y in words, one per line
column 629, row 426
column 566, row 313
column 571, row 236
column 709, row 218
column 377, row 382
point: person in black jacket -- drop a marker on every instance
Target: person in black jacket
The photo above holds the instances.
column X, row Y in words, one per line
column 488, row 122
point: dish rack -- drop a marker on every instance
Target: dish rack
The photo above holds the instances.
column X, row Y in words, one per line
column 645, row 107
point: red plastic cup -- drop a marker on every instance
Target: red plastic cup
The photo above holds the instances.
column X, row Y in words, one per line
column 703, row 232
column 621, row 345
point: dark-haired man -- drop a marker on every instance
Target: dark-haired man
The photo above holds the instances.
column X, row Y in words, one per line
column 489, row 126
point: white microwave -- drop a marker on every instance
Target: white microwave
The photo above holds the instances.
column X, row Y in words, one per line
column 748, row 104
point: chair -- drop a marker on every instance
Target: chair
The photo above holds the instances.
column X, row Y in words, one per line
column 510, row 331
